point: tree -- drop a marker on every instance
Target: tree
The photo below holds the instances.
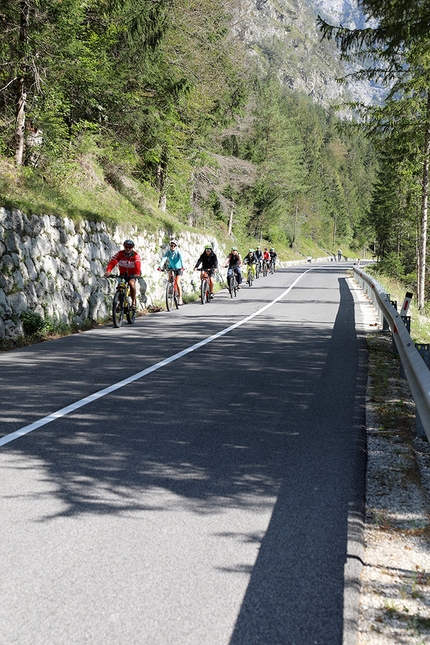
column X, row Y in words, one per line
column 396, row 50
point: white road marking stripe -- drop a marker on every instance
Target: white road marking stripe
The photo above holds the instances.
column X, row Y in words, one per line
column 116, row 386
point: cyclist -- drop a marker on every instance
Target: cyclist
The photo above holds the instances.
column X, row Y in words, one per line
column 129, row 264
column 209, row 263
column 251, row 259
column 273, row 257
column 266, row 257
column 233, row 261
column 173, row 261
column 259, row 256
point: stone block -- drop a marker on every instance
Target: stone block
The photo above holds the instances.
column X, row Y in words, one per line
column 18, row 280
column 18, row 303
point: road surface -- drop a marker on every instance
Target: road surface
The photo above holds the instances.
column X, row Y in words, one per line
column 194, row 479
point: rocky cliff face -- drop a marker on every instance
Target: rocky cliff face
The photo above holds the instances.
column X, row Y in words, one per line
column 345, row 12
column 282, row 35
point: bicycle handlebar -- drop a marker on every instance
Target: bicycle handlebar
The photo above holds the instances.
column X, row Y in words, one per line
column 122, row 277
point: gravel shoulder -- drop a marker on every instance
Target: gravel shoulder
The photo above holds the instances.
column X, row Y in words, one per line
column 394, row 605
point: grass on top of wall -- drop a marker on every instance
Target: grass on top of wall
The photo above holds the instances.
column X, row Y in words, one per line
column 82, row 191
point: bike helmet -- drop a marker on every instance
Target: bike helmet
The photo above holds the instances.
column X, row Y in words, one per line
column 173, row 241
column 251, row 251
column 128, row 243
column 208, row 246
column 271, row 248
column 234, row 248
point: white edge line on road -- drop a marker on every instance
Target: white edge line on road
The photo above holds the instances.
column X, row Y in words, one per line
column 116, row 386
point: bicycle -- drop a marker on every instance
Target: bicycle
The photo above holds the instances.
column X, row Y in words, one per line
column 257, row 270
column 250, row 276
column 205, row 294
column 272, row 267
column 232, row 283
column 264, row 268
column 172, row 295
column 121, row 303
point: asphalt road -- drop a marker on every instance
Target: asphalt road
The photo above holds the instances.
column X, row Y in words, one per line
column 213, row 497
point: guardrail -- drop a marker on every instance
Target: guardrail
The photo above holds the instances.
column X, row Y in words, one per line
column 416, row 371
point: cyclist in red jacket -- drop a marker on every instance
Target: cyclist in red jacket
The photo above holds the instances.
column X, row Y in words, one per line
column 129, row 264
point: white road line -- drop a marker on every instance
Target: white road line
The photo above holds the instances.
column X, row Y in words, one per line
column 116, row 386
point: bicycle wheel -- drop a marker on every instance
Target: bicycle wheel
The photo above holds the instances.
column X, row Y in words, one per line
column 272, row 269
column 230, row 283
column 176, row 298
column 264, row 270
column 235, row 286
column 169, row 296
column 118, row 308
column 203, row 291
column 257, row 271
column 249, row 280
column 130, row 312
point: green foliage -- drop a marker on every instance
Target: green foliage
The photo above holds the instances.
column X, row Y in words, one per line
column 391, row 266
column 33, row 322
column 395, row 51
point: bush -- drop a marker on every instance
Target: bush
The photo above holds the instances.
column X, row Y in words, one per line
column 391, row 265
column 33, row 322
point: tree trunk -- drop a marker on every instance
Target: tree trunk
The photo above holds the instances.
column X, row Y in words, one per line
column 21, row 95
column 162, row 182
column 422, row 247
column 230, row 221
column 191, row 221
column 21, row 99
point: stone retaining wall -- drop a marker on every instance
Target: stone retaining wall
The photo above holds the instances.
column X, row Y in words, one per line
column 54, row 266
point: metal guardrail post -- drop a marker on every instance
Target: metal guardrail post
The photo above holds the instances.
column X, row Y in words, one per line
column 416, row 371
column 406, row 303
column 407, row 322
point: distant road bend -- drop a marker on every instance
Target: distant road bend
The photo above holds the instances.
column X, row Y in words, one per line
column 196, row 478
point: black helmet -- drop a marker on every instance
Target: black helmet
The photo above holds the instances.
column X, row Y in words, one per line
column 128, row 243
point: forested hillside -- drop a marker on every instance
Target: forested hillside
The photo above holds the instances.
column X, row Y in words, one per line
column 393, row 49
column 156, row 112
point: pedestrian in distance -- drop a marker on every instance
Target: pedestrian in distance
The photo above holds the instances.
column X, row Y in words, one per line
column 129, row 264
column 172, row 261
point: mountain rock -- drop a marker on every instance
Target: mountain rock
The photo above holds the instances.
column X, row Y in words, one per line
column 283, row 38
column 340, row 12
